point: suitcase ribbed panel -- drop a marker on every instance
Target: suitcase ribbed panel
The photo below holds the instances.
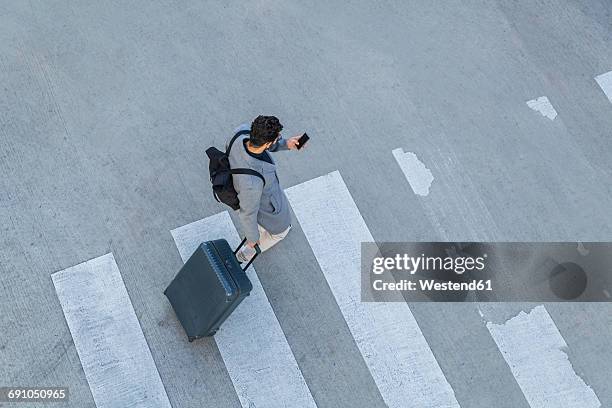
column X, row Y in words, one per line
column 229, row 285
column 233, row 266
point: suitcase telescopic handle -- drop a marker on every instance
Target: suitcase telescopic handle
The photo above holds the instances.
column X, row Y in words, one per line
column 257, row 252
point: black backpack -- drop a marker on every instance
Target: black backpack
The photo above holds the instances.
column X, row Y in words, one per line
column 221, row 174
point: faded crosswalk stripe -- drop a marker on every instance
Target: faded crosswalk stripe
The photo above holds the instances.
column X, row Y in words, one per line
column 419, row 177
column 387, row 335
column 258, row 358
column 536, row 353
column 107, row 336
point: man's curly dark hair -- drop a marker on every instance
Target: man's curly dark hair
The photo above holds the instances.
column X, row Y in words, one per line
column 265, row 129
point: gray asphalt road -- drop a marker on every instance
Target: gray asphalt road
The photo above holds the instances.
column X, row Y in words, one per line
column 106, row 109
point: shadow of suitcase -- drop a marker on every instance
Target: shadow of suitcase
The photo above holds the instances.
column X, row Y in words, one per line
column 209, row 286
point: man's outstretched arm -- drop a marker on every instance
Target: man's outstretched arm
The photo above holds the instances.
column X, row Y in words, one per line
column 285, row 144
column 281, row 144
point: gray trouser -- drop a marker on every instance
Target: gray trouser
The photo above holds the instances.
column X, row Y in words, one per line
column 266, row 241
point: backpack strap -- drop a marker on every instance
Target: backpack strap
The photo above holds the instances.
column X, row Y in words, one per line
column 248, row 171
column 242, row 171
column 240, row 133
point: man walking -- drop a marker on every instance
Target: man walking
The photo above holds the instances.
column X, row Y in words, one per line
column 264, row 209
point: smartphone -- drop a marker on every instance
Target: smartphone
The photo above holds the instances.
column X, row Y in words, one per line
column 302, row 141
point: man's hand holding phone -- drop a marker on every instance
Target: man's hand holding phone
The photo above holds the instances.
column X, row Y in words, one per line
column 297, row 142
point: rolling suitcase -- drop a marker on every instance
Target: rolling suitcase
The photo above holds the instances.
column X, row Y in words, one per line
column 209, row 287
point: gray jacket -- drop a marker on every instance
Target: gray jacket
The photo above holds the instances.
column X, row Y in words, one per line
column 267, row 206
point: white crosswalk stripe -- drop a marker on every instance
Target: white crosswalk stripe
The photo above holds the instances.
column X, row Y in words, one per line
column 387, row 335
column 107, row 336
column 536, row 353
column 605, row 82
column 258, row 358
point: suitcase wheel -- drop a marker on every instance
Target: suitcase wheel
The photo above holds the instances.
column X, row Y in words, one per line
column 191, row 338
column 213, row 333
